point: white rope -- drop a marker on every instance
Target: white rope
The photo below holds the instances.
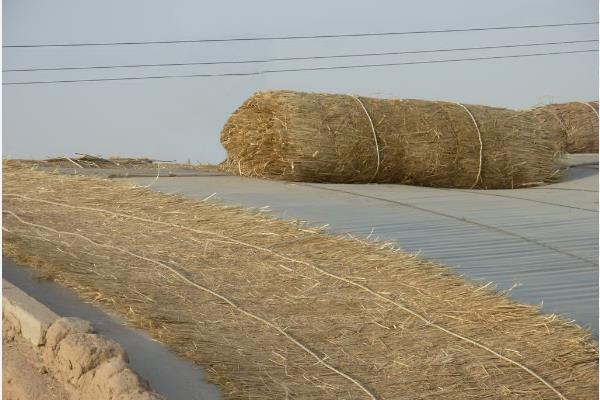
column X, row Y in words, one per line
column 590, row 106
column 207, row 290
column 157, row 176
column 71, row 161
column 478, row 178
column 326, row 273
column 374, row 135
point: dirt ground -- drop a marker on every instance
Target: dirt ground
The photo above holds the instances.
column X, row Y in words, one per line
column 74, row 363
column 274, row 309
column 24, row 377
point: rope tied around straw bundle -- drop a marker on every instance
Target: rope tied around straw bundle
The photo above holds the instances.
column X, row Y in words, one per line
column 330, row 141
column 590, row 106
column 478, row 178
column 576, row 122
column 374, row 135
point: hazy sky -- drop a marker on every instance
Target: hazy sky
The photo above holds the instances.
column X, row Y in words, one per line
column 182, row 118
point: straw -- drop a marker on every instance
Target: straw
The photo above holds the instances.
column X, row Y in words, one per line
column 317, row 137
column 576, row 121
column 184, row 270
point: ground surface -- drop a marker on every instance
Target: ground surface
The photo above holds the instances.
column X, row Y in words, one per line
column 23, row 377
column 276, row 310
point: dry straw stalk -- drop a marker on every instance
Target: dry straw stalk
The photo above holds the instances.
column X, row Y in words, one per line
column 341, row 138
column 280, row 310
column 576, row 121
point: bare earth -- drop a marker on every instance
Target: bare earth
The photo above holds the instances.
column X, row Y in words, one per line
column 23, row 376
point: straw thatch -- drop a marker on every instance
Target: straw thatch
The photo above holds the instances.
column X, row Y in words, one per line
column 341, row 138
column 577, row 121
column 275, row 310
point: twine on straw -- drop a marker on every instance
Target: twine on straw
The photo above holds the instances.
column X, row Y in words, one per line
column 590, row 106
column 71, row 161
column 156, row 178
column 315, row 267
column 374, row 135
column 188, row 281
column 478, row 178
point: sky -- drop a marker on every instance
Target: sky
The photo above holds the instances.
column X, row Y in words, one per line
column 181, row 119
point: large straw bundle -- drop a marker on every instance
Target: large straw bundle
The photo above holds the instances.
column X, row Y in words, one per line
column 341, row 138
column 577, row 121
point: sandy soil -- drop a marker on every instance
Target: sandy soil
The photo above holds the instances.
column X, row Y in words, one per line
column 24, row 377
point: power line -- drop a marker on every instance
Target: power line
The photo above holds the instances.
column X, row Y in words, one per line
column 295, row 58
column 260, row 38
column 264, row 72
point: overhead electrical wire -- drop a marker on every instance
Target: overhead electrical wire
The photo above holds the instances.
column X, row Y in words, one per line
column 324, row 36
column 306, row 58
column 264, row 72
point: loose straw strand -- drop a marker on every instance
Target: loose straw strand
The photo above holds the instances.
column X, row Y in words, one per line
column 305, row 263
column 374, row 135
column 207, row 290
column 480, row 144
